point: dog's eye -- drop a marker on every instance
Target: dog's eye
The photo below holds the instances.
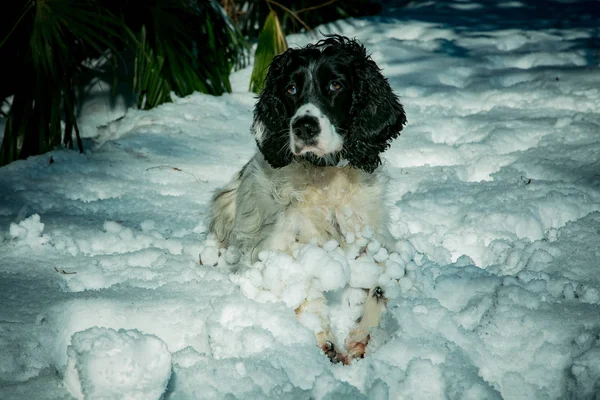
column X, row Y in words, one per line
column 291, row 90
column 335, row 86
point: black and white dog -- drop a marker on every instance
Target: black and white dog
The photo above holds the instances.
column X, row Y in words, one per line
column 321, row 122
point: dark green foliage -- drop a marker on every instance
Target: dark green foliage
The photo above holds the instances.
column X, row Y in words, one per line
column 47, row 44
column 182, row 47
column 148, row 81
column 178, row 46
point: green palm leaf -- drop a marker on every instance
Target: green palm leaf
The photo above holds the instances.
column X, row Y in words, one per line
column 52, row 39
column 178, row 46
column 185, row 47
column 271, row 42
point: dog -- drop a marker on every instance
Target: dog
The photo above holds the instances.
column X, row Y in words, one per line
column 325, row 115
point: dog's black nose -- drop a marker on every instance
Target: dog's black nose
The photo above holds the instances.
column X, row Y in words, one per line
column 306, row 127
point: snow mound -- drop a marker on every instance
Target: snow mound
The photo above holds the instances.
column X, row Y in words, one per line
column 109, row 364
column 342, row 274
column 585, row 372
column 29, row 231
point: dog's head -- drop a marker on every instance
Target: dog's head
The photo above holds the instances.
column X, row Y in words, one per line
column 324, row 103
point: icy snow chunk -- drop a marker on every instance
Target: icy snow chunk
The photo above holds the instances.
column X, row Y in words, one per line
column 381, row 255
column 424, row 380
column 331, row 269
column 241, row 369
column 112, row 227
column 539, row 259
column 364, row 274
column 405, row 284
column 472, row 314
column 147, row 225
column 405, row 247
column 394, row 270
column 126, row 234
column 568, row 291
column 290, row 280
column 247, row 288
column 361, row 241
column 29, row 229
column 17, row 231
column 591, row 295
column 367, row 232
column 240, row 329
column 311, row 321
column 384, row 279
column 332, row 276
column 411, row 266
column 536, row 285
column 263, row 255
column 420, row 309
column 397, row 258
column 587, row 294
column 391, row 290
column 563, row 122
column 107, row 364
column 464, row 261
column 211, row 240
column 411, row 274
column 418, row 259
column 510, row 281
column 330, row 245
column 209, row 256
column 551, row 235
column 356, row 296
column 373, row 247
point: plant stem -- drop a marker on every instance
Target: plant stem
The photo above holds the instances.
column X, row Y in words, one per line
column 316, row 7
column 27, row 7
column 292, row 13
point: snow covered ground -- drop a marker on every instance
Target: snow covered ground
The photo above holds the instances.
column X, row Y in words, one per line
column 495, row 198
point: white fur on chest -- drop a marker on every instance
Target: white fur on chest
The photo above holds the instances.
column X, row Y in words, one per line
column 324, row 203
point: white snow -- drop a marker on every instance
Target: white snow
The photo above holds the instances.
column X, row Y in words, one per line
column 110, row 287
column 106, row 364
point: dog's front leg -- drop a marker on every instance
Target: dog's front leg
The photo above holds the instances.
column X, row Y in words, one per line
column 358, row 338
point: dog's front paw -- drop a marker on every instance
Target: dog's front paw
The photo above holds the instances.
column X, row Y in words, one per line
column 357, row 348
column 333, row 354
column 325, row 343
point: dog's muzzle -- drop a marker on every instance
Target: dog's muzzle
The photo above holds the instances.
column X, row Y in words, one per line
column 306, row 128
column 305, row 131
column 312, row 132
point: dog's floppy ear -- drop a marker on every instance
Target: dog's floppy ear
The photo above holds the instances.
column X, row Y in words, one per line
column 377, row 115
column 269, row 127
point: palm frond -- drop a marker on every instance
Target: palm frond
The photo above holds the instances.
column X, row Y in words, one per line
column 52, row 39
column 271, row 42
column 148, row 80
column 178, row 46
column 197, row 44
